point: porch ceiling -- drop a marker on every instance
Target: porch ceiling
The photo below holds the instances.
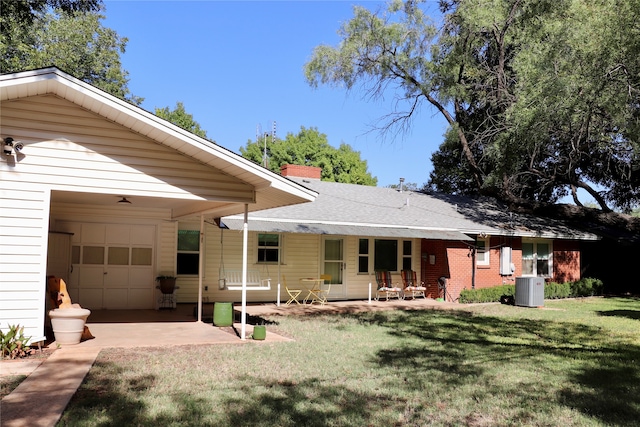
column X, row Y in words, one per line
column 180, row 208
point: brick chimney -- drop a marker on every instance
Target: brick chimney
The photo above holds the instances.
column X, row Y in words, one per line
column 300, row 171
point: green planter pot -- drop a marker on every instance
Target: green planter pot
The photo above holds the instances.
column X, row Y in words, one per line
column 223, row 314
column 259, row 332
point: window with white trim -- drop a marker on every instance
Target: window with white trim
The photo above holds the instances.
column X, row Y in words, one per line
column 536, row 258
column 482, row 251
column 363, row 255
column 269, row 248
column 406, row 254
column 188, row 257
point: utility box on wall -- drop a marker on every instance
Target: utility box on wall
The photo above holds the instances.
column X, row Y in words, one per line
column 530, row 291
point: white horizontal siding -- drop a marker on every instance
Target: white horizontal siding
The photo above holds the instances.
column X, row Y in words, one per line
column 302, row 258
column 69, row 147
column 23, row 242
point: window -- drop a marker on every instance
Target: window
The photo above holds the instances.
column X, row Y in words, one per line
column 268, row 248
column 188, row 252
column 406, row 255
column 363, row 256
column 386, row 255
column 536, row 259
column 482, row 251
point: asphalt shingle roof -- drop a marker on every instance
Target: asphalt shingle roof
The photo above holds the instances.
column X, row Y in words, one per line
column 358, row 205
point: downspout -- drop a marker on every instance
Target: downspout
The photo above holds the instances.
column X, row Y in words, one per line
column 245, row 239
column 200, row 267
column 473, row 268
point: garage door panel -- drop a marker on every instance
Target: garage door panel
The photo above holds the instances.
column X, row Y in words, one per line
column 93, row 233
column 90, row 276
column 91, row 298
column 143, row 235
column 113, row 265
column 140, row 278
column 118, row 234
column 116, row 278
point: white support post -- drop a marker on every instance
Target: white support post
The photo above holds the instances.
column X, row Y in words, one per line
column 278, row 300
column 369, row 302
column 200, row 268
column 245, row 240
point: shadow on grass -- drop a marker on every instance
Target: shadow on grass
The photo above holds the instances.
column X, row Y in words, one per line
column 256, row 402
column 629, row 314
column 602, row 379
column 434, row 356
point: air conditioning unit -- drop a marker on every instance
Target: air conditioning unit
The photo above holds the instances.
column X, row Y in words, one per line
column 530, row 291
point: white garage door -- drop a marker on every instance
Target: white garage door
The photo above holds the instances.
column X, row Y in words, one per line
column 112, row 265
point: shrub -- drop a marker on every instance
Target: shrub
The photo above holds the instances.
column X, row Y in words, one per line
column 587, row 287
column 486, row 294
column 553, row 290
column 14, row 343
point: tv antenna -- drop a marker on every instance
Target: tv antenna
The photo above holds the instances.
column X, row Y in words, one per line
column 264, row 137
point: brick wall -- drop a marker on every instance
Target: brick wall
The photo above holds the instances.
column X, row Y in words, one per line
column 301, row 171
column 453, row 260
column 566, row 261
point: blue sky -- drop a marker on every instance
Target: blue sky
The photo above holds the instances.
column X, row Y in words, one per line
column 237, row 65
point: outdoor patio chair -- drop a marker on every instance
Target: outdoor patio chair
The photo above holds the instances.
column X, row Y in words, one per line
column 324, row 292
column 386, row 288
column 411, row 285
column 293, row 293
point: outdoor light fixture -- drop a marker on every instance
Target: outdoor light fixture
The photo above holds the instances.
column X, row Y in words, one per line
column 7, row 146
column 124, row 200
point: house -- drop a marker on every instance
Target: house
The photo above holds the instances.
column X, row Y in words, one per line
column 351, row 231
column 108, row 196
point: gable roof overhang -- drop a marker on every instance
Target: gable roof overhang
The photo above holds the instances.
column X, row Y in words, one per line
column 270, row 190
column 365, row 230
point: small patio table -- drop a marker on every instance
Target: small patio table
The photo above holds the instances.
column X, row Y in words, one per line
column 314, row 290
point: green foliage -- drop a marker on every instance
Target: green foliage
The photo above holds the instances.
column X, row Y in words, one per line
column 311, row 148
column 493, row 294
column 582, row 288
column 553, row 290
column 72, row 39
column 179, row 117
column 587, row 287
column 14, row 343
column 542, row 98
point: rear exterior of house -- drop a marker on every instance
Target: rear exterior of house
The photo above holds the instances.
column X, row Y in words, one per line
column 77, row 153
column 483, row 251
column 71, row 155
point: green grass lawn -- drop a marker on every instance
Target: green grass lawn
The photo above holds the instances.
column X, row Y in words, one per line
column 573, row 363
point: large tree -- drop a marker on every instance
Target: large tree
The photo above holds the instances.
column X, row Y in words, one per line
column 71, row 37
column 179, row 116
column 311, row 148
column 542, row 97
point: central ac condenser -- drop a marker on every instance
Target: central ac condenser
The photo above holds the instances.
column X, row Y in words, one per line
column 530, row 291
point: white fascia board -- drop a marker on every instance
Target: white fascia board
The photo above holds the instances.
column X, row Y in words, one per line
column 346, row 223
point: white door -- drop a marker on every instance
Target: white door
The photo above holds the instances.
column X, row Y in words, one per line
column 334, row 265
column 112, row 265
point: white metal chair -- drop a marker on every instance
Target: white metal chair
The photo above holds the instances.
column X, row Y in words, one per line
column 324, row 291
